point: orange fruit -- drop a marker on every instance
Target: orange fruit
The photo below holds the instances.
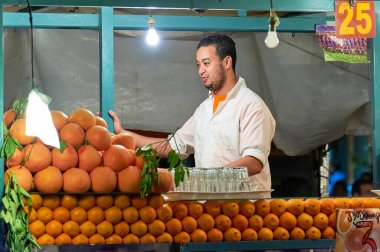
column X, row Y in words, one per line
column 17, row 131
column 44, row 214
column 15, row 160
column 23, row 176
column 288, row 221
column 304, row 221
column 121, row 228
column 49, row 180
column 189, row 224
column 36, row 201
column 147, row 214
column 125, row 139
column 165, row 213
column 37, row 228
column 223, row 222
column 61, row 214
column 148, row 238
column 103, row 179
column 297, row 234
column 105, row 228
column 99, row 137
column 66, row 159
column 232, row 235
column 87, row 201
column 312, row 206
column 122, row 201
column 9, row 117
column 230, row 208
column 73, row 134
column 262, row 207
column 173, row 226
column 327, row 206
column 195, row 209
column 59, row 118
column 155, row 200
column 256, row 222
column 179, row 210
column 249, row 234
column 87, row 228
column 80, row 239
column 198, row 236
column 342, row 203
column 240, row 222
column 51, row 201
column 320, row 221
column 165, row 238
column 295, row 206
column 130, row 238
column 95, row 215
column 71, row 228
column 104, row 201
column 214, row 235
column 63, row 239
column 69, row 201
column 100, row 121
column 332, row 220
column 45, row 240
column 156, row 228
column 96, row 239
column 84, row 117
column 78, row 215
column 119, row 158
column 130, row 215
column 246, row 208
column 54, row 228
column 113, row 214
column 328, row 233
column 271, row 221
column 89, row 158
column 182, row 238
column 265, row 234
column 114, row 238
column 277, row 206
column 206, row 222
column 213, row 208
column 344, row 221
column 32, row 215
column 138, row 202
column 139, row 228
column 313, row 233
column 76, row 180
column 280, row 233
column 356, row 203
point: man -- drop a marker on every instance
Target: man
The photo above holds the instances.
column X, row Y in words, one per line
column 233, row 127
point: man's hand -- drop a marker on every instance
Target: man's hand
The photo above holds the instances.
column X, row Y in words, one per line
column 116, row 122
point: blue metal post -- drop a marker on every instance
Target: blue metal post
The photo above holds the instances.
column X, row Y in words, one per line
column 1, row 118
column 376, row 105
column 106, row 65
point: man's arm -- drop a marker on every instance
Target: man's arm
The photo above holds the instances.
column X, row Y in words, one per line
column 141, row 140
column 253, row 165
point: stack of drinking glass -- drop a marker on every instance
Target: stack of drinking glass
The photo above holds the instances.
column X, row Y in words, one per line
column 218, row 179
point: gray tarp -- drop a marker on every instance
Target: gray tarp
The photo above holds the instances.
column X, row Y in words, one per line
column 158, row 89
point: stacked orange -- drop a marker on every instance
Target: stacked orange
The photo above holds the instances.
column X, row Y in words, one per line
column 107, row 219
column 93, row 158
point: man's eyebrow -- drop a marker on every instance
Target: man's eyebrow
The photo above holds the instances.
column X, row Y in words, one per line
column 207, row 58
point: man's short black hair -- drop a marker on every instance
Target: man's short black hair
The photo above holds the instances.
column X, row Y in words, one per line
column 224, row 45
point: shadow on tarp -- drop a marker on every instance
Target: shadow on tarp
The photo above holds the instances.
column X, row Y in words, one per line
column 110, row 248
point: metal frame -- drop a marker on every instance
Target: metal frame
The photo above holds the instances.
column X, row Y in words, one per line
column 105, row 21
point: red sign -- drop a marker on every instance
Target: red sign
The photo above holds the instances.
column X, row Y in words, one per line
column 358, row 21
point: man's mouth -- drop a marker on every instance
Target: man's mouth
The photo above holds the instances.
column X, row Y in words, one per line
column 204, row 79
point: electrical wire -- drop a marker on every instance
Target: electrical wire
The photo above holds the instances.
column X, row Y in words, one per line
column 31, row 44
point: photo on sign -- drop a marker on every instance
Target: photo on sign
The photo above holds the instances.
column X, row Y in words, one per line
column 351, row 50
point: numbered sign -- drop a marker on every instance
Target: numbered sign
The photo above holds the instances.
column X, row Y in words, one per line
column 358, row 21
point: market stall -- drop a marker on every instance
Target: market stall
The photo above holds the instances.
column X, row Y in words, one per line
column 106, row 22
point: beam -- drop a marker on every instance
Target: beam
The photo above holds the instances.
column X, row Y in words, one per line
column 1, row 121
column 164, row 23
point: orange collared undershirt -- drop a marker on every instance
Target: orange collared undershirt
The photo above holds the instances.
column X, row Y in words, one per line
column 217, row 99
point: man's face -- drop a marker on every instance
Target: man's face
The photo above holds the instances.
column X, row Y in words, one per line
column 210, row 68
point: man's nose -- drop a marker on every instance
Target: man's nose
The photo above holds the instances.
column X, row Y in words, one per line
column 200, row 70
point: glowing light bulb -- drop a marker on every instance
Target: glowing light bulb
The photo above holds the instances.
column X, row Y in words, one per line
column 152, row 37
column 271, row 41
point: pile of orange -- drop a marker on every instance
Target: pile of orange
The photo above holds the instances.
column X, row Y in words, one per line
column 93, row 160
column 122, row 219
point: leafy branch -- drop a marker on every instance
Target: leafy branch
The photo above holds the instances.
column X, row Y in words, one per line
column 13, row 213
column 19, row 106
column 10, row 144
column 152, row 158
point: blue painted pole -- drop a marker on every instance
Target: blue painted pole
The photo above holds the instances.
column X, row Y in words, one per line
column 106, row 64
column 376, row 105
column 1, row 120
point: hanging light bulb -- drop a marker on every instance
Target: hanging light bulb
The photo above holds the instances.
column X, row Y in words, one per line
column 271, row 41
column 152, row 37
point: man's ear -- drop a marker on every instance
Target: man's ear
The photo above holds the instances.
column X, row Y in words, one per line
column 227, row 62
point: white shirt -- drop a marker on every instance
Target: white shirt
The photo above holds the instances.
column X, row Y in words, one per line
column 242, row 125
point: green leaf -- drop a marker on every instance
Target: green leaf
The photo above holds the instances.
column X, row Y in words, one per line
column 24, row 193
column 5, row 201
column 146, row 147
column 16, row 143
column 139, row 152
column 2, row 154
column 144, row 170
column 62, row 145
column 14, row 197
